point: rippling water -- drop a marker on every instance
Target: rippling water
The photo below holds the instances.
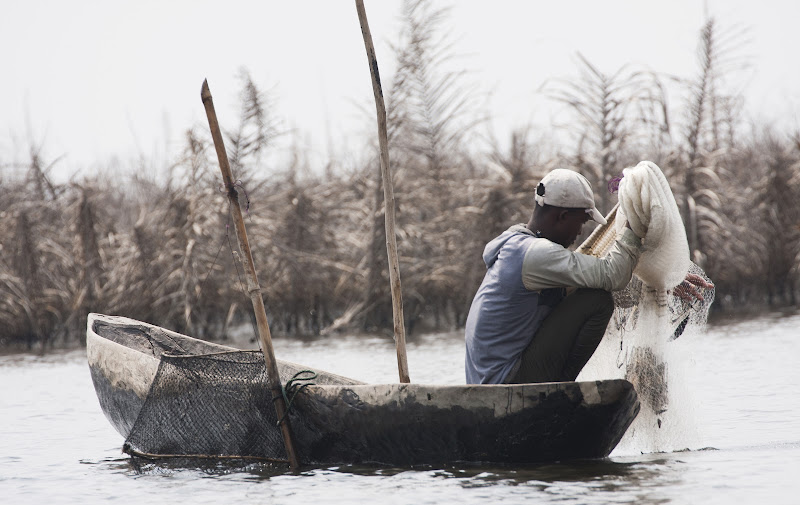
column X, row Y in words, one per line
column 739, row 403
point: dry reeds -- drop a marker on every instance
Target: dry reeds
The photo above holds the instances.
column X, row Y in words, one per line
column 160, row 250
column 612, row 112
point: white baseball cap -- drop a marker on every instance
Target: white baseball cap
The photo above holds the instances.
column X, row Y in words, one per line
column 568, row 189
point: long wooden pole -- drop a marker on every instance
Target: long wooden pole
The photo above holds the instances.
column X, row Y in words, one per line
column 253, row 288
column 388, row 198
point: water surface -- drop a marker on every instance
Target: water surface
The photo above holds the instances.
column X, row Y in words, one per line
column 739, row 437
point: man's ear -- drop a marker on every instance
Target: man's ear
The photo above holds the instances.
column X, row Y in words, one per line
column 562, row 214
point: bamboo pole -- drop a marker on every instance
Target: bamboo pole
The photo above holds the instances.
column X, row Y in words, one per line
column 253, row 288
column 388, row 198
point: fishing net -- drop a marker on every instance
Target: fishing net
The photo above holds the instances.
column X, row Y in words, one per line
column 640, row 346
column 209, row 404
column 648, row 316
column 217, row 404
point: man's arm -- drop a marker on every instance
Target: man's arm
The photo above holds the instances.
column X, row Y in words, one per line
column 549, row 265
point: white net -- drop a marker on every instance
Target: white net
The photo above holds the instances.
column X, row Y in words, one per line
column 646, row 319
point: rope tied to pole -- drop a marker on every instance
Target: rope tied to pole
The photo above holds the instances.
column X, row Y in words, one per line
column 232, row 193
column 292, row 387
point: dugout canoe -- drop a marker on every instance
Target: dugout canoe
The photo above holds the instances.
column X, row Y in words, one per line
column 172, row 395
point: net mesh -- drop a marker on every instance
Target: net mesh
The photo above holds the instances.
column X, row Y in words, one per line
column 203, row 403
column 217, row 404
column 637, row 347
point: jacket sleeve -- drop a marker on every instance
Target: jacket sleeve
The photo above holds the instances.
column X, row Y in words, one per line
column 549, row 265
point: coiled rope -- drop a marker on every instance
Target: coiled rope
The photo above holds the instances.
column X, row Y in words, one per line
column 292, row 387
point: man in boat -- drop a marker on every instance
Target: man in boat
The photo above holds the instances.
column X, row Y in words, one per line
column 522, row 327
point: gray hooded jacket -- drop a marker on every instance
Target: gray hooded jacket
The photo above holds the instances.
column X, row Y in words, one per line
column 525, row 279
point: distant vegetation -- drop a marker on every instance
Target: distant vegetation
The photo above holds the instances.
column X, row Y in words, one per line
column 161, row 251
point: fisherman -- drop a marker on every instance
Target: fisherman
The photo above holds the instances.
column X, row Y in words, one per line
column 522, row 327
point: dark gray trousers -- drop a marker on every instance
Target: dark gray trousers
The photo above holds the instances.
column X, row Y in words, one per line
column 567, row 338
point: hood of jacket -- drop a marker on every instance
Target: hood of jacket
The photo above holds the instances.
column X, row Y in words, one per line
column 492, row 249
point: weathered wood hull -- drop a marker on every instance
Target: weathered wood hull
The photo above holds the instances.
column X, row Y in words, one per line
column 410, row 424
column 339, row 420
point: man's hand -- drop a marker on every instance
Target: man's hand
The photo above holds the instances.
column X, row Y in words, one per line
column 687, row 290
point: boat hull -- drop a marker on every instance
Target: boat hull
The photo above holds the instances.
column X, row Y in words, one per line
column 139, row 373
column 428, row 424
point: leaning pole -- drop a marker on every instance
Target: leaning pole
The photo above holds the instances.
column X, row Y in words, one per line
column 388, row 199
column 253, row 288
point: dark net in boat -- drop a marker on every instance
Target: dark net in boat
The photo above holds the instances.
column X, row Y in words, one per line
column 215, row 405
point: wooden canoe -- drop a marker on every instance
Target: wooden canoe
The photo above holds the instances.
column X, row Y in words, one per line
column 162, row 410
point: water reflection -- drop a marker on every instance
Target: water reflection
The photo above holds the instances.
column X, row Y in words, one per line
column 642, row 480
column 607, row 475
column 137, row 466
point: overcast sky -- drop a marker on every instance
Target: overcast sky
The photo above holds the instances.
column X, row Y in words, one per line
column 92, row 79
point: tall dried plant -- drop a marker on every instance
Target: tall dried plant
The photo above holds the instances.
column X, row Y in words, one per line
column 611, row 111
column 433, row 111
column 779, row 213
column 709, row 136
column 258, row 128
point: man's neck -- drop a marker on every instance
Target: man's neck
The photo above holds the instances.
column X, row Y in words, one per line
column 534, row 227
